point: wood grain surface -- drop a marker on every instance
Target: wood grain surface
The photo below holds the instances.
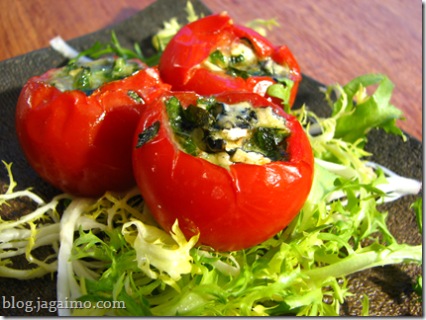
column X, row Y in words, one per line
column 333, row 40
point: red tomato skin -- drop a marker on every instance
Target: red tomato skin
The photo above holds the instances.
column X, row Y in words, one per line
column 193, row 43
column 82, row 144
column 231, row 209
column 179, row 64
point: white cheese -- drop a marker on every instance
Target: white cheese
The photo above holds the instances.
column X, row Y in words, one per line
column 268, row 119
column 221, row 158
column 234, row 134
column 249, row 157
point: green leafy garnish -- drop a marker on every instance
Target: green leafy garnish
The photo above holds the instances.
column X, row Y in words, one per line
column 171, row 27
column 262, row 26
column 418, row 209
column 282, row 91
column 357, row 112
column 113, row 250
column 114, row 48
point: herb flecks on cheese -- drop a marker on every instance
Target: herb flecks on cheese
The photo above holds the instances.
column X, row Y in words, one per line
column 91, row 75
column 229, row 133
column 240, row 60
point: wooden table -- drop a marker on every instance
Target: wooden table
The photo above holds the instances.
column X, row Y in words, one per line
column 333, row 40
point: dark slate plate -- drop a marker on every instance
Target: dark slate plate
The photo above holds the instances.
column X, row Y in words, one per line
column 389, row 288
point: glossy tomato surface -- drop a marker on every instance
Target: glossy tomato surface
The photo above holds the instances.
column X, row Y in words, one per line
column 82, row 144
column 233, row 208
column 180, row 64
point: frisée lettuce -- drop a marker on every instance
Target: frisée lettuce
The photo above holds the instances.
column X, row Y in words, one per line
column 111, row 249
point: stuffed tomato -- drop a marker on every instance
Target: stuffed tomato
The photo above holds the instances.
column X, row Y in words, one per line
column 233, row 168
column 76, row 124
column 213, row 55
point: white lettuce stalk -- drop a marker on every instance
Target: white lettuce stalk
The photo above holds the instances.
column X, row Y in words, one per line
column 158, row 253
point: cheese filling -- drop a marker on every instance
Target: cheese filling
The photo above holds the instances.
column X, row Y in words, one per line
column 229, row 133
column 91, row 75
column 240, row 60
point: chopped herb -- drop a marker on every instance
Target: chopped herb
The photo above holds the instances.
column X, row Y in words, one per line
column 217, row 58
column 196, row 117
column 237, row 59
column 216, row 109
column 215, row 145
column 175, row 115
column 271, row 141
column 235, row 72
column 82, row 79
column 174, row 110
column 135, row 96
column 148, row 134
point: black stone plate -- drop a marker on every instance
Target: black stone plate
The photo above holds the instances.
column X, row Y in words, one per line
column 389, row 288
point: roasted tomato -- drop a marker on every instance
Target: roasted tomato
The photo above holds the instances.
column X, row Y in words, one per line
column 233, row 167
column 76, row 124
column 213, row 55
